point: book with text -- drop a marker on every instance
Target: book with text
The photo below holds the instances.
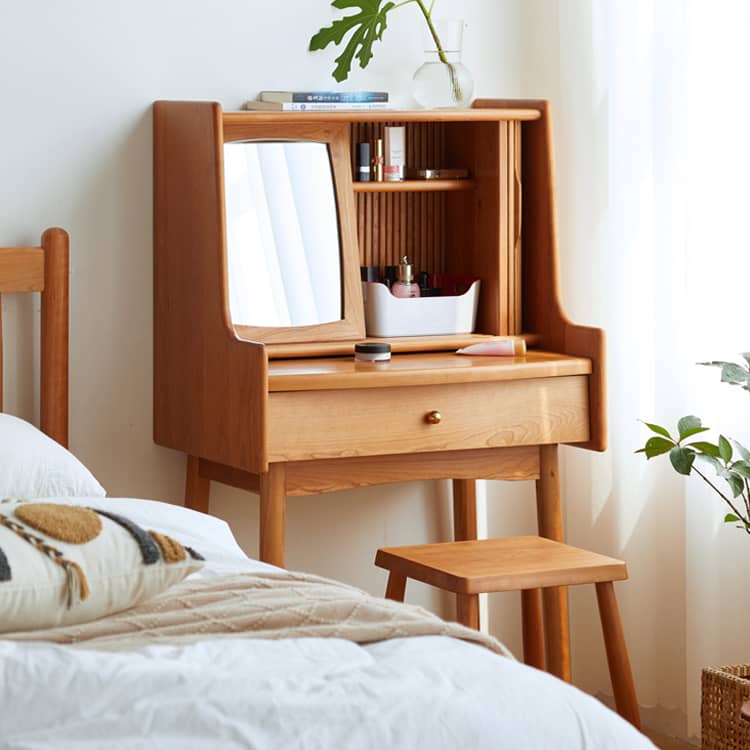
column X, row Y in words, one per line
column 313, row 106
column 323, row 96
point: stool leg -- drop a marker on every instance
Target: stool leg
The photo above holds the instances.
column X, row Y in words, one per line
column 617, row 654
column 549, row 520
column 396, row 587
column 467, row 610
column 533, row 638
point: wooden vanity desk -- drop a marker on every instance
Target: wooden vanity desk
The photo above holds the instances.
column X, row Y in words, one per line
column 287, row 411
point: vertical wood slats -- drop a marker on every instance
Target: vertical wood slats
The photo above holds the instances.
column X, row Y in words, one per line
column 391, row 225
column 418, row 223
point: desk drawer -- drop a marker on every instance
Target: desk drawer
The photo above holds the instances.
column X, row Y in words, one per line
column 378, row 421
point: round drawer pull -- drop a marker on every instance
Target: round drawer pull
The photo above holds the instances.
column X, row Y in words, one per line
column 433, row 417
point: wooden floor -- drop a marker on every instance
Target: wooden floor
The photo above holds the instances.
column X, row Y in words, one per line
column 668, row 743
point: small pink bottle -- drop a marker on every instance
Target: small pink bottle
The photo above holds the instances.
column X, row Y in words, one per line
column 405, row 286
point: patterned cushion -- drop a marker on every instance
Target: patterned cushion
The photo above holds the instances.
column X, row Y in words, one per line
column 65, row 564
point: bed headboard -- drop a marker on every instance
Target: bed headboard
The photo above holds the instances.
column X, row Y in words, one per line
column 44, row 269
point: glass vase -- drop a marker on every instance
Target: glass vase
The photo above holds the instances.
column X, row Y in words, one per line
column 443, row 80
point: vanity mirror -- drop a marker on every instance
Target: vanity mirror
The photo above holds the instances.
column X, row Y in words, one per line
column 290, row 241
column 283, row 249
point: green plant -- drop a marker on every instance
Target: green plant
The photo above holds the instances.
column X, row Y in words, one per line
column 367, row 27
column 729, row 459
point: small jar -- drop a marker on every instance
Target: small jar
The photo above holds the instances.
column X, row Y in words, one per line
column 371, row 352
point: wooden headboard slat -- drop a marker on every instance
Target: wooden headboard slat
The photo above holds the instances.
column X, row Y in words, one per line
column 21, row 269
column 54, row 338
column 44, row 269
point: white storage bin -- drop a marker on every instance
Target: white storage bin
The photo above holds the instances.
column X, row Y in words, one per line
column 386, row 315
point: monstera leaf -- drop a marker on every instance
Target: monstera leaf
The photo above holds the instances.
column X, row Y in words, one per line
column 367, row 26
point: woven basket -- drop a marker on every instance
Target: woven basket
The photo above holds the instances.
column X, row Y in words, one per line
column 724, row 690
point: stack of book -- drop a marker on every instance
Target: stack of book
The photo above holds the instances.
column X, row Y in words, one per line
column 310, row 101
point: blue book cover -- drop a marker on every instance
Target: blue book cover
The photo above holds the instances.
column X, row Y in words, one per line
column 332, row 97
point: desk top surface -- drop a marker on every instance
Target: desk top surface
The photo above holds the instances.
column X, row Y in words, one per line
column 430, row 368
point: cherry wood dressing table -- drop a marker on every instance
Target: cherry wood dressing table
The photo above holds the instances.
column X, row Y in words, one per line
column 287, row 411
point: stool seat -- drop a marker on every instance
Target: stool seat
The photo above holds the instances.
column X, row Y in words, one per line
column 492, row 565
column 536, row 567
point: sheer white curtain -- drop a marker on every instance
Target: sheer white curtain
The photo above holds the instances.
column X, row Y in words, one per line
column 651, row 127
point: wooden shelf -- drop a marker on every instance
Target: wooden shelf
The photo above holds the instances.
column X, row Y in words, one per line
column 415, row 186
column 447, row 342
column 383, row 115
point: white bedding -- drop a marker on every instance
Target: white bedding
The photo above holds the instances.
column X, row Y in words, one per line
column 427, row 692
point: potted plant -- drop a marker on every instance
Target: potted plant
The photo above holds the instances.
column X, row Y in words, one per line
column 725, row 467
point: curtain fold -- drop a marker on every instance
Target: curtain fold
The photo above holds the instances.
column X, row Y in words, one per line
column 650, row 117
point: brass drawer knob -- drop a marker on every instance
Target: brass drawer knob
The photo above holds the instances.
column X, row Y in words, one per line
column 433, row 417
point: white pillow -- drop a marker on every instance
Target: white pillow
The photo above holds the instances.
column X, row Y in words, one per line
column 64, row 564
column 34, row 465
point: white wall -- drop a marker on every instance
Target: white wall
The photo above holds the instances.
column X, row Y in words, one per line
column 77, row 79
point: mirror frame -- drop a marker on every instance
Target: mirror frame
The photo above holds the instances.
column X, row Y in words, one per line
column 336, row 137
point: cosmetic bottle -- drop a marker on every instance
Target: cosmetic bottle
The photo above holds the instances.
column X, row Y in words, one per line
column 377, row 161
column 405, row 286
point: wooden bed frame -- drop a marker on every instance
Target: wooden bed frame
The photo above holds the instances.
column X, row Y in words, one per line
column 44, row 269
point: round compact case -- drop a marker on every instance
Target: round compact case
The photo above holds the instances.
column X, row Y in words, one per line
column 372, row 352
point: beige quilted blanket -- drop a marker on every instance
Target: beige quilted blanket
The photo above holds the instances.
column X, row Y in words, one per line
column 268, row 605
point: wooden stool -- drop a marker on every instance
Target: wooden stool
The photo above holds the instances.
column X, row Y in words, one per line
column 526, row 564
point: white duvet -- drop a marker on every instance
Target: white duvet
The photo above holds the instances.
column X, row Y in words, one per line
column 427, row 692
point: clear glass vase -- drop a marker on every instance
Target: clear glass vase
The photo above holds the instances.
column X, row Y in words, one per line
column 443, row 80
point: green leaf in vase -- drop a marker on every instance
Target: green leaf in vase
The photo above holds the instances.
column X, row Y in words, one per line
column 367, row 27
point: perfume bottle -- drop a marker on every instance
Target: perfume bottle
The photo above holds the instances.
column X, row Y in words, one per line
column 405, row 286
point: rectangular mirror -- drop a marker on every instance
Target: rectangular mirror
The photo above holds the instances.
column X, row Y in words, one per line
column 290, row 236
column 283, row 247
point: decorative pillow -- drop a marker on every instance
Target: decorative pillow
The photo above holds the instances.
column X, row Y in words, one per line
column 63, row 564
column 34, row 465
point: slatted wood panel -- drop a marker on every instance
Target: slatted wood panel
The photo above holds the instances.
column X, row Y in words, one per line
column 394, row 224
column 476, row 231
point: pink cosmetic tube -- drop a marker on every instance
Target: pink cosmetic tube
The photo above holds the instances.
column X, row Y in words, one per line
column 497, row 348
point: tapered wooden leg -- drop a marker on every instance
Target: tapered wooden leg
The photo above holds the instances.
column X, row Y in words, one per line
column 617, row 654
column 465, row 529
column 464, row 509
column 273, row 514
column 467, row 610
column 197, row 488
column 533, row 635
column 396, row 587
column 555, row 600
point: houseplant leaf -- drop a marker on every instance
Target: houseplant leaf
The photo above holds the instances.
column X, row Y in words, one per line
column 655, row 446
column 708, row 448
column 367, row 26
column 730, row 518
column 744, row 452
column 690, row 425
column 682, row 459
column 725, row 449
column 742, row 467
column 735, row 483
column 658, row 429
